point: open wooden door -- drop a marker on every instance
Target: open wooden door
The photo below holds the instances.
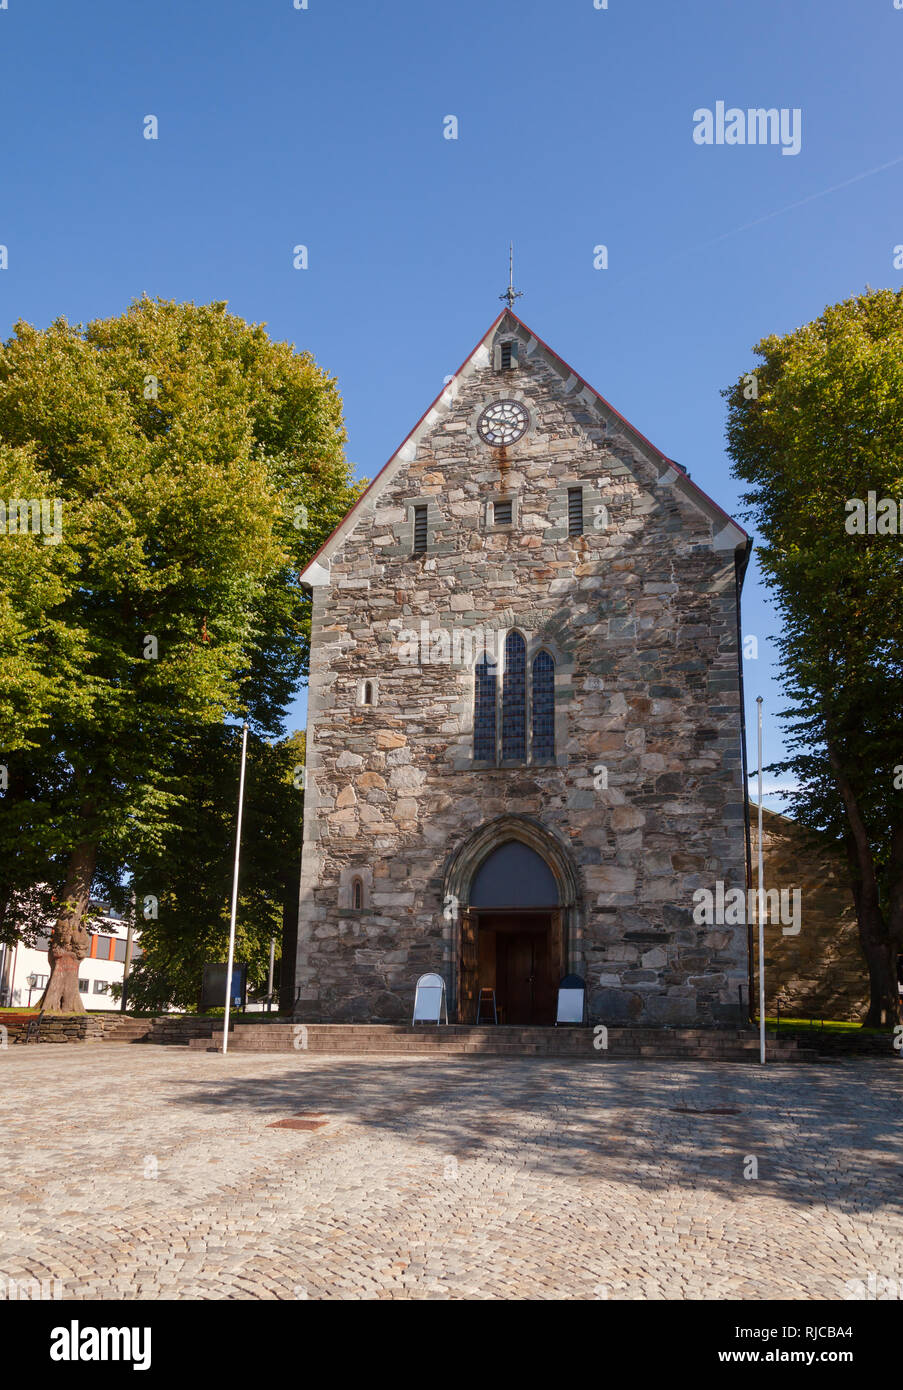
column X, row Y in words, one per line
column 469, row 969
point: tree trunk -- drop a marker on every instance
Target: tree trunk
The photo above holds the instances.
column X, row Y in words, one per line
column 884, row 998
column 70, row 941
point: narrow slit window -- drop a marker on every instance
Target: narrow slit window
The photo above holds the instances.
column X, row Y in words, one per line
column 501, row 513
column 358, row 895
column 514, row 699
column 420, row 532
column 543, row 707
column 484, row 711
column 575, row 511
column 368, row 693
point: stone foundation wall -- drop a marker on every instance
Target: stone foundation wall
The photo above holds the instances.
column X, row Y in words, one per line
column 77, row 1028
column 821, row 972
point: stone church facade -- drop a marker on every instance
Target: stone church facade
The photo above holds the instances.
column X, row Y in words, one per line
column 525, row 724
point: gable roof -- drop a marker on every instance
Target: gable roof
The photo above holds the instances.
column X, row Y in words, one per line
column 728, row 534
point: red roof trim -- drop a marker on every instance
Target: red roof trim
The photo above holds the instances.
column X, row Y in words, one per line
column 624, row 421
column 432, row 405
column 552, row 353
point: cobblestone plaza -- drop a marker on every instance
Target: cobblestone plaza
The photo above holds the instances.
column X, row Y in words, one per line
column 151, row 1172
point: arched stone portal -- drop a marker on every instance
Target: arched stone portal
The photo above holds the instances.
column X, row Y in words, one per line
column 512, row 907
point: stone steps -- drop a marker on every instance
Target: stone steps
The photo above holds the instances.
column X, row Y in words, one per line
column 127, row 1029
column 456, row 1039
column 173, row 1032
column 198, row 1034
column 466, row 1040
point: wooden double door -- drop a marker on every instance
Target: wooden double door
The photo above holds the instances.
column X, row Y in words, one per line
column 518, row 954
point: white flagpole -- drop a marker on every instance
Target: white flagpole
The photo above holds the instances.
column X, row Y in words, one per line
column 241, row 798
column 270, row 975
column 761, row 901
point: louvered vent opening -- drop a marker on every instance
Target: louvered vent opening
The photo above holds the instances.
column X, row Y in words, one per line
column 419, row 528
column 505, row 355
column 501, row 512
column 575, row 511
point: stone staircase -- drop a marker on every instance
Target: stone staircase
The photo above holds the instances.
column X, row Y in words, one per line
column 172, row 1032
column 457, row 1039
column 125, row 1029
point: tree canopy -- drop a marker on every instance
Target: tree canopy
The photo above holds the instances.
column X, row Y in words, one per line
column 816, row 431
column 197, row 465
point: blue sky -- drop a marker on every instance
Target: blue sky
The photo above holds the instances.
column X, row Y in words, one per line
column 324, row 127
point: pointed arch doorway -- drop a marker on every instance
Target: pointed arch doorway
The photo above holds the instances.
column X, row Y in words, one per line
column 516, row 894
column 515, row 920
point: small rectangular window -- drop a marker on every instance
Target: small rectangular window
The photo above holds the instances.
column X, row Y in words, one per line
column 419, row 529
column 119, row 949
column 101, row 987
column 575, row 511
column 501, row 513
column 84, row 986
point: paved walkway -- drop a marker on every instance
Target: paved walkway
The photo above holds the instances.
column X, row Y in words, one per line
column 148, row 1172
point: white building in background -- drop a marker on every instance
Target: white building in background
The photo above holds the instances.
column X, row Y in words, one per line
column 25, row 970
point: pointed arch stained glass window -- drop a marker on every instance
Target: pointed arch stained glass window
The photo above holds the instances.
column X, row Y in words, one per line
column 514, row 698
column 484, row 733
column 543, row 706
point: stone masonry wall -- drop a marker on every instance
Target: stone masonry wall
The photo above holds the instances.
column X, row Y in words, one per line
column 646, row 790
column 820, row 972
column 65, row 1028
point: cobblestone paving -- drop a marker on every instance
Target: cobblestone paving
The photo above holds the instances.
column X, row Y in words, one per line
column 149, row 1172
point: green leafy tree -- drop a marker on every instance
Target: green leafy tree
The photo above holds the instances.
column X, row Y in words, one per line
column 190, row 876
column 815, row 428
column 198, row 465
column 41, row 656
